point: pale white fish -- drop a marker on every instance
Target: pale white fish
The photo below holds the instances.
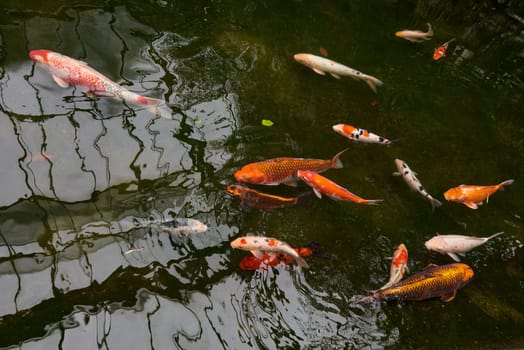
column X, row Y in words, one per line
column 416, row 36
column 182, row 226
column 410, row 178
column 456, row 244
column 258, row 245
column 134, row 250
column 321, row 65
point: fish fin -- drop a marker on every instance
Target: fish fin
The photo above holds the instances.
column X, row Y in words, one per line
column 291, row 183
column 336, row 162
column 257, row 253
column 301, row 262
column 495, row 235
column 373, row 82
column 317, row 193
column 396, row 173
column 335, row 75
column 60, row 82
column 506, row 183
column 318, row 71
column 471, row 205
column 430, row 30
column 448, row 297
column 90, row 94
column 429, row 266
column 454, row 256
column 373, row 201
column 407, row 268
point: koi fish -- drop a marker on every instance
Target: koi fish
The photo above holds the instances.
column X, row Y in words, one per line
column 472, row 196
column 456, row 244
column 251, row 262
column 399, row 266
column 182, row 226
column 283, row 170
column 359, row 135
column 409, row 177
column 434, row 281
column 416, row 36
column 260, row 245
column 440, row 51
column 263, row 200
column 66, row 70
column 322, row 65
column 322, row 185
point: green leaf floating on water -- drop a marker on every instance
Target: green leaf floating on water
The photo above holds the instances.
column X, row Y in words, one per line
column 198, row 121
column 267, row 122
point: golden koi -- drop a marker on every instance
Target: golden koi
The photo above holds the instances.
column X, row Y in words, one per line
column 263, row 200
column 472, row 196
column 416, row 36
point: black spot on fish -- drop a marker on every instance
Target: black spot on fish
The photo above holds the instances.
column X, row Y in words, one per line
column 357, row 136
column 404, row 165
column 421, row 188
column 406, row 172
column 380, row 139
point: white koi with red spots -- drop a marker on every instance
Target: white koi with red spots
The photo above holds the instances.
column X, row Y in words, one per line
column 359, row 135
column 66, row 71
column 258, row 245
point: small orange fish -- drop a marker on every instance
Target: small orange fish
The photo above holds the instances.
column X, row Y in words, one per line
column 473, row 196
column 251, row 262
column 441, row 50
column 283, row 170
column 263, row 200
column 322, row 185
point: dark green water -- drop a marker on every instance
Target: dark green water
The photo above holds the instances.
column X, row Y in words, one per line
column 223, row 66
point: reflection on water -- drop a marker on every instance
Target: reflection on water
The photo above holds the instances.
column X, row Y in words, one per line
column 82, row 179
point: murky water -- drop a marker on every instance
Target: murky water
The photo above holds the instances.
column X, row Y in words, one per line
column 74, row 274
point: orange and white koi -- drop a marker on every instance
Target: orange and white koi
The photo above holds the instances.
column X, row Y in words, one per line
column 321, row 185
column 472, row 196
column 456, row 244
column 66, row 71
column 399, row 266
column 251, row 262
column 322, row 65
column 283, row 170
column 260, row 245
column 416, row 36
column 359, row 135
column 410, row 178
column 440, row 51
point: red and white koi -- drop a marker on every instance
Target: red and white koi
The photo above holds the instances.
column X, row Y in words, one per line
column 410, row 178
column 359, row 135
column 259, row 245
column 399, row 266
column 321, row 65
column 66, row 71
column 456, row 244
column 440, row 51
column 416, row 36
column 322, row 185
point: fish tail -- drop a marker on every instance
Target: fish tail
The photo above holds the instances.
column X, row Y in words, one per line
column 494, row 235
column 373, row 82
column 303, row 198
column 336, row 162
column 368, row 299
column 301, row 262
column 156, row 106
column 430, row 29
column 372, row 201
column 435, row 203
column 506, row 183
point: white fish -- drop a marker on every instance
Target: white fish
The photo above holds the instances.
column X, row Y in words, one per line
column 409, row 176
column 416, row 36
column 182, row 226
column 456, row 244
column 321, row 65
column 258, row 245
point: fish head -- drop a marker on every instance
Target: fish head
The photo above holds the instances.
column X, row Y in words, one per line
column 305, row 175
column 250, row 263
column 234, row 190
column 436, row 244
column 452, row 194
column 239, row 243
column 250, row 173
column 400, row 164
column 196, row 226
column 401, row 254
column 400, row 34
column 343, row 129
column 40, row 56
column 302, row 58
column 467, row 273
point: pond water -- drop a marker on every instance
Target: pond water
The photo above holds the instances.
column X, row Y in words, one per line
column 76, row 171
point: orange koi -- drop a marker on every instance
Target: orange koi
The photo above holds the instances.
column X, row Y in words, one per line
column 263, row 200
column 441, row 50
column 472, row 196
column 322, row 185
column 283, row 170
column 251, row 262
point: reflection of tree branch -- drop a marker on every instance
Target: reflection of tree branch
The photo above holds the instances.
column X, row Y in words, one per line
column 12, row 260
